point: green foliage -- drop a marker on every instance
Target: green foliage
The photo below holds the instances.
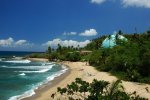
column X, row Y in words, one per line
column 38, row 55
column 49, row 50
column 73, row 56
column 145, row 59
column 85, row 57
column 95, row 44
column 53, row 56
column 95, row 58
column 97, row 90
column 131, row 57
column 133, row 74
column 64, row 53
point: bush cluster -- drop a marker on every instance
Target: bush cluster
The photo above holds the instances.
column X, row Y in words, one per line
column 97, row 90
column 130, row 57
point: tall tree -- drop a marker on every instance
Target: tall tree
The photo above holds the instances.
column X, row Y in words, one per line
column 120, row 32
column 49, row 50
column 59, row 48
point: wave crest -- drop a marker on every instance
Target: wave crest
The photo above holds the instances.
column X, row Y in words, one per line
column 24, row 95
column 50, row 78
column 18, row 61
column 22, row 74
column 39, row 71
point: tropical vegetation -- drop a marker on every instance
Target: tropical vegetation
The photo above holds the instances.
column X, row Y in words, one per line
column 97, row 90
column 128, row 60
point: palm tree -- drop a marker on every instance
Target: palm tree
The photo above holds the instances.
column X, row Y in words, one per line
column 49, row 51
column 120, row 32
column 78, row 46
column 114, row 89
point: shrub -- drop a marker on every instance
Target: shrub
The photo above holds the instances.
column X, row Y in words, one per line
column 97, row 90
column 73, row 56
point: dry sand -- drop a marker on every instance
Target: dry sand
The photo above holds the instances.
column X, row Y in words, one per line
column 88, row 73
column 38, row 59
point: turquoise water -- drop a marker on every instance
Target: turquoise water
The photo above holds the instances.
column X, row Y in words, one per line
column 19, row 78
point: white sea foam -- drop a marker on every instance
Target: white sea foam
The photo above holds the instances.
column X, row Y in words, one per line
column 52, row 77
column 22, row 74
column 57, row 73
column 50, row 63
column 31, row 92
column 17, row 58
column 4, row 66
column 32, row 67
column 39, row 71
column 35, row 69
column 24, row 95
column 43, row 64
column 18, row 61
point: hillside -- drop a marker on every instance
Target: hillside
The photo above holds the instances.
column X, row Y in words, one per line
column 129, row 60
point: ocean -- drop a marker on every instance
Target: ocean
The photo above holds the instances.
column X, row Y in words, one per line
column 20, row 77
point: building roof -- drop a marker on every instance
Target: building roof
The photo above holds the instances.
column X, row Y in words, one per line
column 111, row 40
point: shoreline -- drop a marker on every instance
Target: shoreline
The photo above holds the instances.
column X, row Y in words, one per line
column 38, row 59
column 75, row 69
column 87, row 73
column 47, row 86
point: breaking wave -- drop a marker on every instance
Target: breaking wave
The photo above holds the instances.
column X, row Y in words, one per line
column 32, row 92
column 18, row 61
column 24, row 95
column 22, row 74
column 39, row 71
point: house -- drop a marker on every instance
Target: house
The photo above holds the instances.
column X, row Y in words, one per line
column 110, row 41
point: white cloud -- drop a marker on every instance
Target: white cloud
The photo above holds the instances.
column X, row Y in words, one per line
column 70, row 33
column 11, row 43
column 97, row 1
column 136, row 3
column 21, row 42
column 6, row 42
column 90, row 32
column 66, row 43
column 127, row 3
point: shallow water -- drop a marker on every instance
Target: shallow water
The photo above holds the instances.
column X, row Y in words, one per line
column 18, row 78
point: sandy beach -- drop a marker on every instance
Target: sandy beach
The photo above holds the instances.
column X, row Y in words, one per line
column 88, row 73
column 38, row 59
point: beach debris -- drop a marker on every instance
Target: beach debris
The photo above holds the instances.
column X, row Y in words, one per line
column 81, row 69
column 53, row 95
column 147, row 89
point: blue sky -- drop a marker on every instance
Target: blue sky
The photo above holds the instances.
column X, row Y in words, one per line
column 32, row 25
